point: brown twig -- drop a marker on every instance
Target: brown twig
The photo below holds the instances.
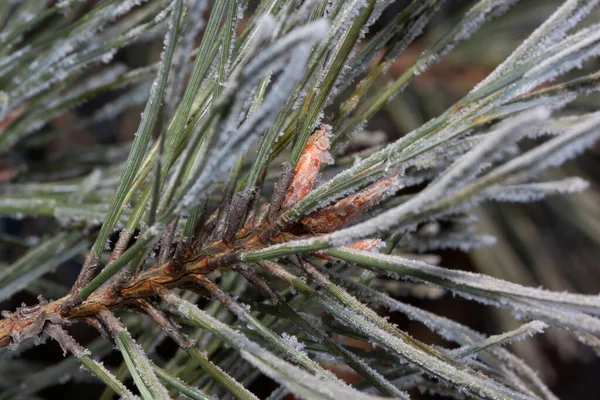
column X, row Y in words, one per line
column 187, row 268
column 279, row 191
column 30, row 321
column 221, row 296
column 110, row 322
column 90, row 265
column 251, row 276
column 253, row 205
column 238, row 213
column 66, row 341
column 165, row 323
column 121, row 244
column 166, row 241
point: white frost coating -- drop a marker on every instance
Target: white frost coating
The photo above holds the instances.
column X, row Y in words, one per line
column 131, row 98
column 108, row 56
column 264, row 28
column 557, row 316
column 450, row 330
column 439, row 275
column 364, row 319
column 245, row 345
column 565, row 49
column 528, row 192
column 414, row 30
column 551, row 31
column 556, row 308
column 66, row 215
column 73, row 61
column 81, row 35
column 462, row 379
column 551, row 153
column 125, row 393
column 470, row 23
column 281, row 48
column 140, row 366
column 447, row 328
column 237, row 113
column 559, row 126
column 458, row 239
column 419, row 19
column 144, row 132
column 349, row 70
column 301, row 14
column 392, row 389
column 95, row 81
column 300, row 382
column 192, row 26
column 293, row 341
column 197, row 391
column 287, row 344
column 256, row 123
column 343, row 21
column 551, row 102
column 588, row 340
column 263, row 115
column 556, row 151
column 479, row 14
column 461, row 171
column 522, row 332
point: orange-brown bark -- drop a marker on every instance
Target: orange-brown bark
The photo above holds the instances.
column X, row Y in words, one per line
column 306, row 173
column 29, row 321
column 330, row 218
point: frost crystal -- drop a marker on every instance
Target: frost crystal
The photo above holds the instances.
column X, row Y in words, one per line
column 293, row 341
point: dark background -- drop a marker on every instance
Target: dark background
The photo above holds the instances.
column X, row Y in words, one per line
column 563, row 255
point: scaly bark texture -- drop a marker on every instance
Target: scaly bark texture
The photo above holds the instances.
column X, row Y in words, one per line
column 201, row 259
